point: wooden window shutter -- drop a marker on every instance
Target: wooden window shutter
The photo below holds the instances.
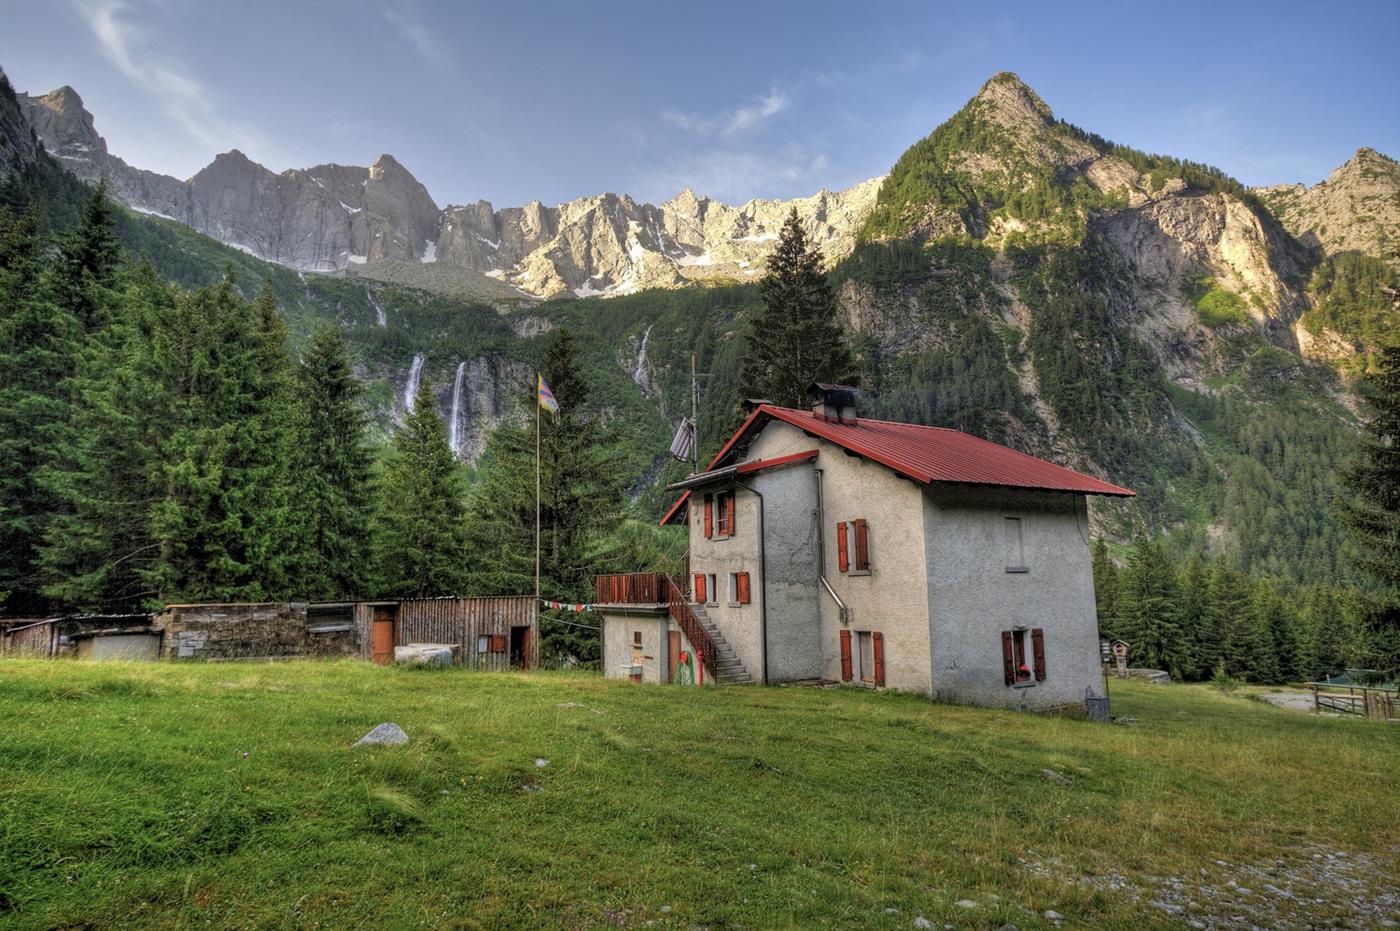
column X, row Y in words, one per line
column 498, row 643
column 843, row 554
column 1008, row 657
column 877, row 644
column 700, row 588
column 742, row 586
column 845, row 656
column 729, row 513
column 709, row 517
column 862, row 546
column 1038, row 649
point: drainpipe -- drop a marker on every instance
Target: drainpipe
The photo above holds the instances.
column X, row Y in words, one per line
column 763, row 569
column 843, row 612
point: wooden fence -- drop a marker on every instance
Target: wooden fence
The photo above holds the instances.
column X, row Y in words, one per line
column 633, row 588
column 1355, row 699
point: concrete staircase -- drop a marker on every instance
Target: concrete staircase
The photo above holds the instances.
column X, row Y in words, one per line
column 728, row 669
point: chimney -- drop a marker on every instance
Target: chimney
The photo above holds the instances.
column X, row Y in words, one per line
column 753, row 404
column 834, row 403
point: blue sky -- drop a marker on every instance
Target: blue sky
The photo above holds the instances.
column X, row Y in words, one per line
column 513, row 101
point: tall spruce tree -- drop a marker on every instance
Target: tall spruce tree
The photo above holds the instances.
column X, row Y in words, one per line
column 1193, row 584
column 1105, row 589
column 580, row 500
column 1148, row 610
column 797, row 338
column 418, row 544
column 332, row 484
column 1226, row 614
column 1370, row 511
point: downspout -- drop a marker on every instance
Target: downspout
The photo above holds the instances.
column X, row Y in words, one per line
column 763, row 570
column 842, row 611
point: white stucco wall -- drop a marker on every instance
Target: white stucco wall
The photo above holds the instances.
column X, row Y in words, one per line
column 893, row 598
column 618, row 628
column 972, row 597
column 721, row 556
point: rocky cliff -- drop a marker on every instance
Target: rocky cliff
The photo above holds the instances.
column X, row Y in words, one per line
column 1357, row 209
column 372, row 221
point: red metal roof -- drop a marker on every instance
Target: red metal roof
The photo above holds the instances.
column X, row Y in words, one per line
column 925, row 454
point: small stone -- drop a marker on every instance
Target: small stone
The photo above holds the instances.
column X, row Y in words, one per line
column 1197, row 924
column 383, row 735
column 665, row 909
column 1168, row 907
column 891, row 911
column 1053, row 776
column 531, row 787
column 923, row 923
column 966, row 903
column 1054, row 915
column 541, row 761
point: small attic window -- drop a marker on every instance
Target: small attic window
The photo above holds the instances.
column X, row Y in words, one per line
column 1015, row 546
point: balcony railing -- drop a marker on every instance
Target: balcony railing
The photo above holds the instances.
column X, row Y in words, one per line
column 633, row 588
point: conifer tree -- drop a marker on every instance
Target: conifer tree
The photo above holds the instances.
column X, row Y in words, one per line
column 1193, row 584
column 39, row 337
column 797, row 338
column 1370, row 511
column 580, row 500
column 418, row 545
column 1227, row 618
column 1148, row 610
column 89, row 257
column 333, row 474
column 1260, row 661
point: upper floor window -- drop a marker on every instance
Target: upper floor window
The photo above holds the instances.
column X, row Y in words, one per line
column 853, row 546
column 719, row 515
column 1015, row 545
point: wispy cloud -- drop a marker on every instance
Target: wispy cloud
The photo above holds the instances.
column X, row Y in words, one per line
column 408, row 22
column 740, row 119
column 180, row 96
column 734, row 176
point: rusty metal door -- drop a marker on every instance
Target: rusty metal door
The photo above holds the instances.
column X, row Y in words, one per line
column 382, row 636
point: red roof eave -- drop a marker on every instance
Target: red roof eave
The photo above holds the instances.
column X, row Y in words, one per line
column 747, row 468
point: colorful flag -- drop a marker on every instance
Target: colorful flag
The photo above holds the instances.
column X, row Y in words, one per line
column 546, row 397
column 683, row 446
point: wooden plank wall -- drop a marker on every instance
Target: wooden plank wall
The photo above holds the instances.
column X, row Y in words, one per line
column 463, row 620
column 363, row 614
column 30, row 640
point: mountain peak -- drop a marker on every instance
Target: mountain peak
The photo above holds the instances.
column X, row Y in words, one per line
column 1011, row 100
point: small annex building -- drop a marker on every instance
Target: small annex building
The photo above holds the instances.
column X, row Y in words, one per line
column 829, row 547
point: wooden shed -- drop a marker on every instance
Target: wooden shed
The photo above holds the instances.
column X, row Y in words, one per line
column 489, row 633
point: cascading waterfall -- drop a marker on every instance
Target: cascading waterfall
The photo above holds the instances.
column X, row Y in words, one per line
column 415, row 375
column 454, row 432
column 378, row 308
column 639, row 374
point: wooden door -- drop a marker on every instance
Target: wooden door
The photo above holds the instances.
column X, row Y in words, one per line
column 382, row 637
column 673, row 653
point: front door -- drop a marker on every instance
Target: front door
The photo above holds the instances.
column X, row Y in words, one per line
column 520, row 647
column 673, row 653
column 382, row 636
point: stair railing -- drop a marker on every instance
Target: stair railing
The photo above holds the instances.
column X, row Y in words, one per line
column 690, row 625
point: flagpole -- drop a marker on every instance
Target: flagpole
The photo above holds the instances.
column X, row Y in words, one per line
column 537, row 492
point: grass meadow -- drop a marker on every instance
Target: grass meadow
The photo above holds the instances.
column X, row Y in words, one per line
column 183, row 795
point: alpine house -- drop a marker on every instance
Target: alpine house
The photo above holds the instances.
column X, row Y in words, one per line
column 829, row 547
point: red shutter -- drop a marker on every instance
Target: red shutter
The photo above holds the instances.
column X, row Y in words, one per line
column 709, row 517
column 498, row 643
column 700, row 588
column 845, row 656
column 742, row 585
column 1008, row 657
column 1038, row 649
column 877, row 644
column 729, row 513
column 843, row 556
column 862, row 546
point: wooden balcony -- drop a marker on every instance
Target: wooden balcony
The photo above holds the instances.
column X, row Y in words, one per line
column 633, row 588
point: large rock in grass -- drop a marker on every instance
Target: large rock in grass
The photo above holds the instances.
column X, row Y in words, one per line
column 384, row 735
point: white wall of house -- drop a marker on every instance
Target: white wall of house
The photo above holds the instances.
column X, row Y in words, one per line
column 893, row 597
column 719, row 557
column 620, row 653
column 973, row 597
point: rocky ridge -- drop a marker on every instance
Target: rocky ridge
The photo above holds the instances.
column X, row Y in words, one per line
column 1357, row 209
column 376, row 221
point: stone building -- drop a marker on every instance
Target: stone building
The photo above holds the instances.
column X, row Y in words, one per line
column 828, row 547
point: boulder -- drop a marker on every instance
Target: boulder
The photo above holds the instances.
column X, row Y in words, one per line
column 384, row 735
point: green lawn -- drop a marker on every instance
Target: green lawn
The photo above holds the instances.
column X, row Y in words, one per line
column 228, row 794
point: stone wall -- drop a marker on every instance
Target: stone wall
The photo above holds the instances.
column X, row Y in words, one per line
column 252, row 631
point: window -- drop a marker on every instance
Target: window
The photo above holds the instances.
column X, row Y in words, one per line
column 853, row 537
column 483, row 644
column 636, row 638
column 724, row 526
column 1016, row 669
column 1015, row 546
column 712, row 589
column 868, row 662
column 738, row 588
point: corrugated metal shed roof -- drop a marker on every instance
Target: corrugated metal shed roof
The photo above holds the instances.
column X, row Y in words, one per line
column 925, row 454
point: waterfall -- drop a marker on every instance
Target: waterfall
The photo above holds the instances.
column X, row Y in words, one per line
column 454, row 430
column 378, row 308
column 415, row 375
column 639, row 374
